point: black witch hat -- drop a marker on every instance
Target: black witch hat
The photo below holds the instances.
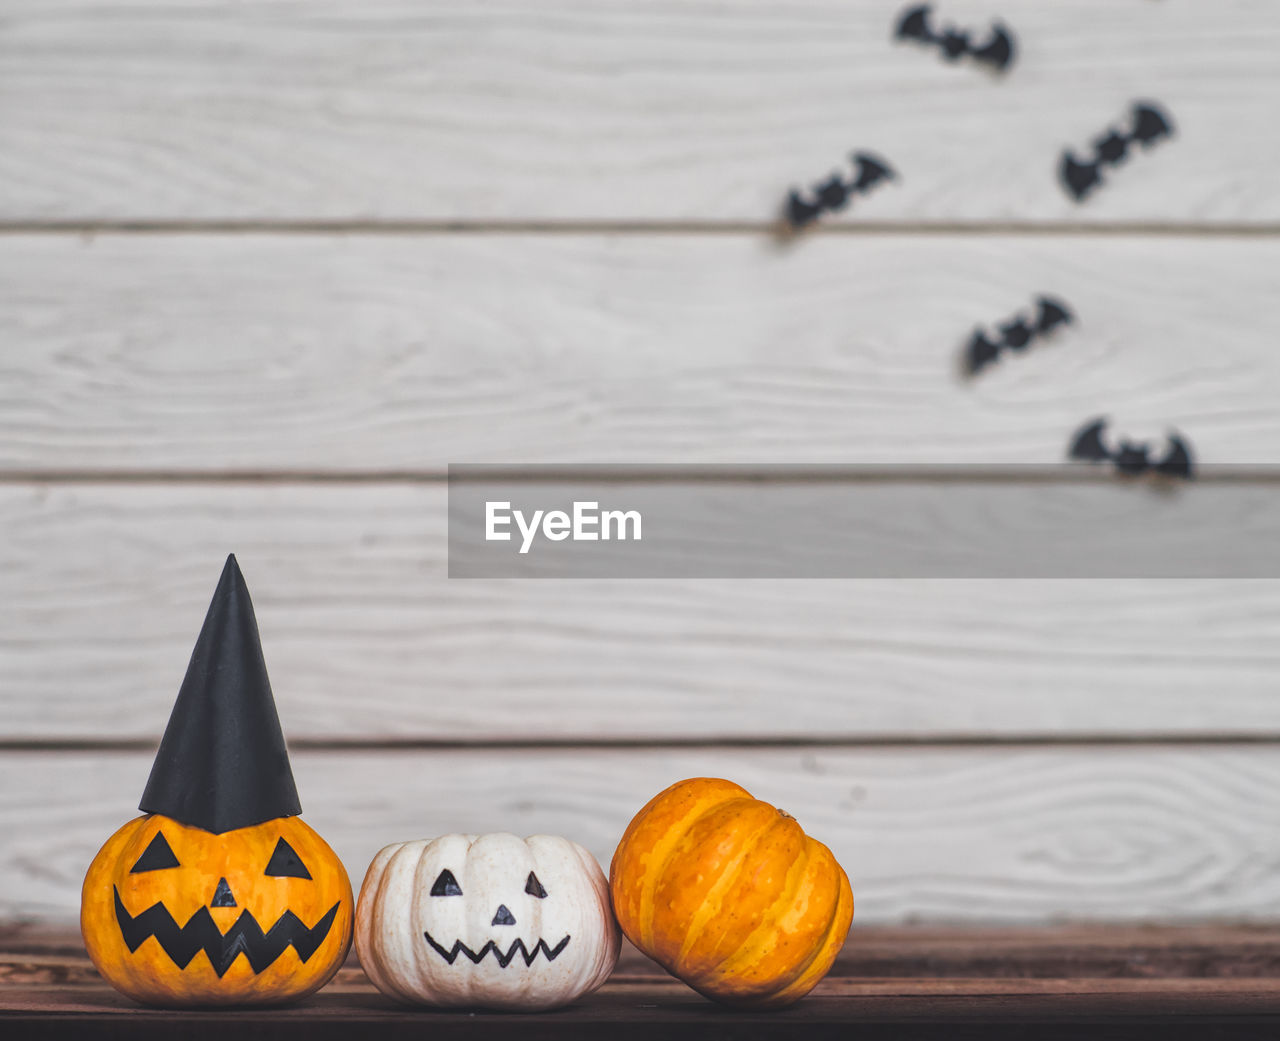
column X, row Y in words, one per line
column 222, row 762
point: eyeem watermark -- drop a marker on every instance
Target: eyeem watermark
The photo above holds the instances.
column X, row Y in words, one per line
column 585, row 523
column 882, row 523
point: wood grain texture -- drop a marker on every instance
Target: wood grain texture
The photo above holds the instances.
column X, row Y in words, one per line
column 34, row 954
column 1187, row 983
column 580, row 110
column 972, row 1010
column 366, row 639
column 1008, row 835
column 353, row 353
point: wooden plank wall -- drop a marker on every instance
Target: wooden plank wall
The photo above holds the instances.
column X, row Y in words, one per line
column 267, row 269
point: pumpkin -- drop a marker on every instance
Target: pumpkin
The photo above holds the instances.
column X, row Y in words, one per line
column 728, row 893
column 489, row 921
column 219, row 894
column 176, row 915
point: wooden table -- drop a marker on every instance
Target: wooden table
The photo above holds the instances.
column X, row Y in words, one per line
column 906, row 983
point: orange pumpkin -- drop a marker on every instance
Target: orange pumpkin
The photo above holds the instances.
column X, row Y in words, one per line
column 176, row 915
column 220, row 894
column 728, row 893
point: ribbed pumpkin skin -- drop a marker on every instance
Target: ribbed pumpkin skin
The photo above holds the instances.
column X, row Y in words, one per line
column 729, row 894
column 149, row 975
column 398, row 910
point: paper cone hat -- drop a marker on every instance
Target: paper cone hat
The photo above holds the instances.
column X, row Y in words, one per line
column 222, row 762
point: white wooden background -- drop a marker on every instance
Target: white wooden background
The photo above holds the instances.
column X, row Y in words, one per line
column 267, row 268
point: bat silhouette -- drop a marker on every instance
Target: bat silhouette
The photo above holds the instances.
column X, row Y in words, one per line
column 1079, row 177
column 997, row 52
column 834, row 193
column 1016, row 334
column 1129, row 458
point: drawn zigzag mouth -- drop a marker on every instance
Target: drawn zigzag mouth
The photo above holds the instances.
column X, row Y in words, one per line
column 201, row 933
column 451, row 954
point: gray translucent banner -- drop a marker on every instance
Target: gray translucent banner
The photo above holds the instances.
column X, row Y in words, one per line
column 827, row 522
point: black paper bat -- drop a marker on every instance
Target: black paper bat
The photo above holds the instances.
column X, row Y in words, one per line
column 1016, row 334
column 997, row 52
column 1079, row 177
column 1129, row 458
column 834, row 193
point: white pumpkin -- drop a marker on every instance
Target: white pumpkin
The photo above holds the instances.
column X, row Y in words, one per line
column 488, row 921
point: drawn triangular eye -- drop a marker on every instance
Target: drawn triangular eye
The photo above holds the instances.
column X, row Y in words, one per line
column 285, row 863
column 534, row 888
column 446, row 885
column 156, row 856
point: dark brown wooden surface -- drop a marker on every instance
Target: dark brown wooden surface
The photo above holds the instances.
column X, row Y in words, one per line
column 1095, row 982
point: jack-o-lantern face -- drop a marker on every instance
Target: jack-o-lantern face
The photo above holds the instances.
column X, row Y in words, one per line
column 176, row 915
column 220, row 895
column 493, row 921
column 446, row 885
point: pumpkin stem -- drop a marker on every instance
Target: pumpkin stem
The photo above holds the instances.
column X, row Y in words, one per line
column 784, row 813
